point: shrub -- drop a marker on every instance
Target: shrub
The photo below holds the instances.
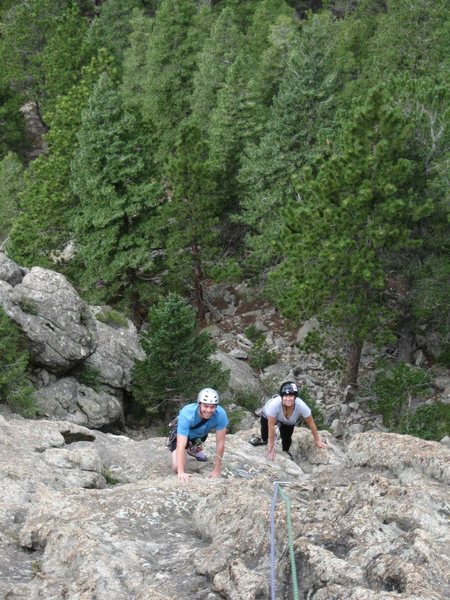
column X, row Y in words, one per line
column 393, row 389
column 112, row 317
column 15, row 388
column 109, row 477
column 234, row 418
column 89, row 376
column 316, row 411
column 444, row 357
column 248, row 400
column 429, row 422
column 313, row 343
column 253, row 334
column 28, row 306
column 178, row 359
column 260, row 356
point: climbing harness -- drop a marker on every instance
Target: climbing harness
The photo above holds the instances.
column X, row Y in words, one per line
column 172, row 432
column 278, row 488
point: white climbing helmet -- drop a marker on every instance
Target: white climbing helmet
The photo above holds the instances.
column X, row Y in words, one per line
column 208, row 396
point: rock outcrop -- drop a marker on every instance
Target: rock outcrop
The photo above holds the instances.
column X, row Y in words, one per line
column 87, row 515
column 65, row 340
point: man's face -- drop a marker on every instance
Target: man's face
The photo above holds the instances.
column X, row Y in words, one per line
column 206, row 410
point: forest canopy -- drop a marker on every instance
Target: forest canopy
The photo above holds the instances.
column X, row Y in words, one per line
column 302, row 143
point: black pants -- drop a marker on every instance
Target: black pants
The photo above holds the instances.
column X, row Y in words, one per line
column 286, row 432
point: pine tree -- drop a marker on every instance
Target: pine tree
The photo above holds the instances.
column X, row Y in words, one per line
column 217, row 56
column 177, row 36
column 300, row 119
column 117, row 199
column 356, row 211
column 240, row 115
column 111, row 28
column 11, row 184
column 178, row 359
column 15, row 388
column 43, row 229
column 33, row 35
column 189, row 216
column 135, row 60
column 12, row 124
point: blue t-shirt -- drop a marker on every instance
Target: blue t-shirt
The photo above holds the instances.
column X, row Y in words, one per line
column 189, row 419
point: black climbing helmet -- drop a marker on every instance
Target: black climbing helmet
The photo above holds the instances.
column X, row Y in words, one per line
column 288, row 387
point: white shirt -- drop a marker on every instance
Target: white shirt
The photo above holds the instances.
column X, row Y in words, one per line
column 274, row 408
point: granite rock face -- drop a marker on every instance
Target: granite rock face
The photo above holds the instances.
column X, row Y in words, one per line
column 87, row 515
column 55, row 321
column 65, row 339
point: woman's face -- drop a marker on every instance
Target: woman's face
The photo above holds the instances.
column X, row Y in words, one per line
column 288, row 399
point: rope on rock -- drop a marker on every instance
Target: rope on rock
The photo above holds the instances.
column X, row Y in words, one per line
column 277, row 487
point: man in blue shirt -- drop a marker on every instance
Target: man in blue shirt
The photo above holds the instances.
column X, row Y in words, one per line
column 195, row 421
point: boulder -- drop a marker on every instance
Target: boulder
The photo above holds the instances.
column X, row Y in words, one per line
column 67, row 399
column 116, row 352
column 242, row 377
column 56, row 322
column 10, row 271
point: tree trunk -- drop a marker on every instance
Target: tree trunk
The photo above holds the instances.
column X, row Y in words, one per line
column 406, row 342
column 198, row 278
column 351, row 375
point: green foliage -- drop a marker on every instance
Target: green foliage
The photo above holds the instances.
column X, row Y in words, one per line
column 111, row 28
column 89, row 376
column 260, row 356
column 227, row 270
column 12, row 124
column 110, row 316
column 28, row 306
column 218, row 54
column 429, row 422
column 110, row 478
column 188, row 216
column 15, row 388
column 430, row 298
column 11, row 184
column 117, row 197
column 247, row 399
column 355, row 213
column 177, row 35
column 43, row 227
column 178, row 359
column 444, row 356
column 63, row 56
column 317, row 413
column 135, row 61
column 42, row 50
column 393, row 390
column 313, row 342
column 301, row 116
column 235, row 415
column 254, row 334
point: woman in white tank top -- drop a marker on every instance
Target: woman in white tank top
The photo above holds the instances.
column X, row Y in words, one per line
column 284, row 409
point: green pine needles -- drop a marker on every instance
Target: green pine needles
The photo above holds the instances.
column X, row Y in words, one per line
column 15, row 388
column 178, row 362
